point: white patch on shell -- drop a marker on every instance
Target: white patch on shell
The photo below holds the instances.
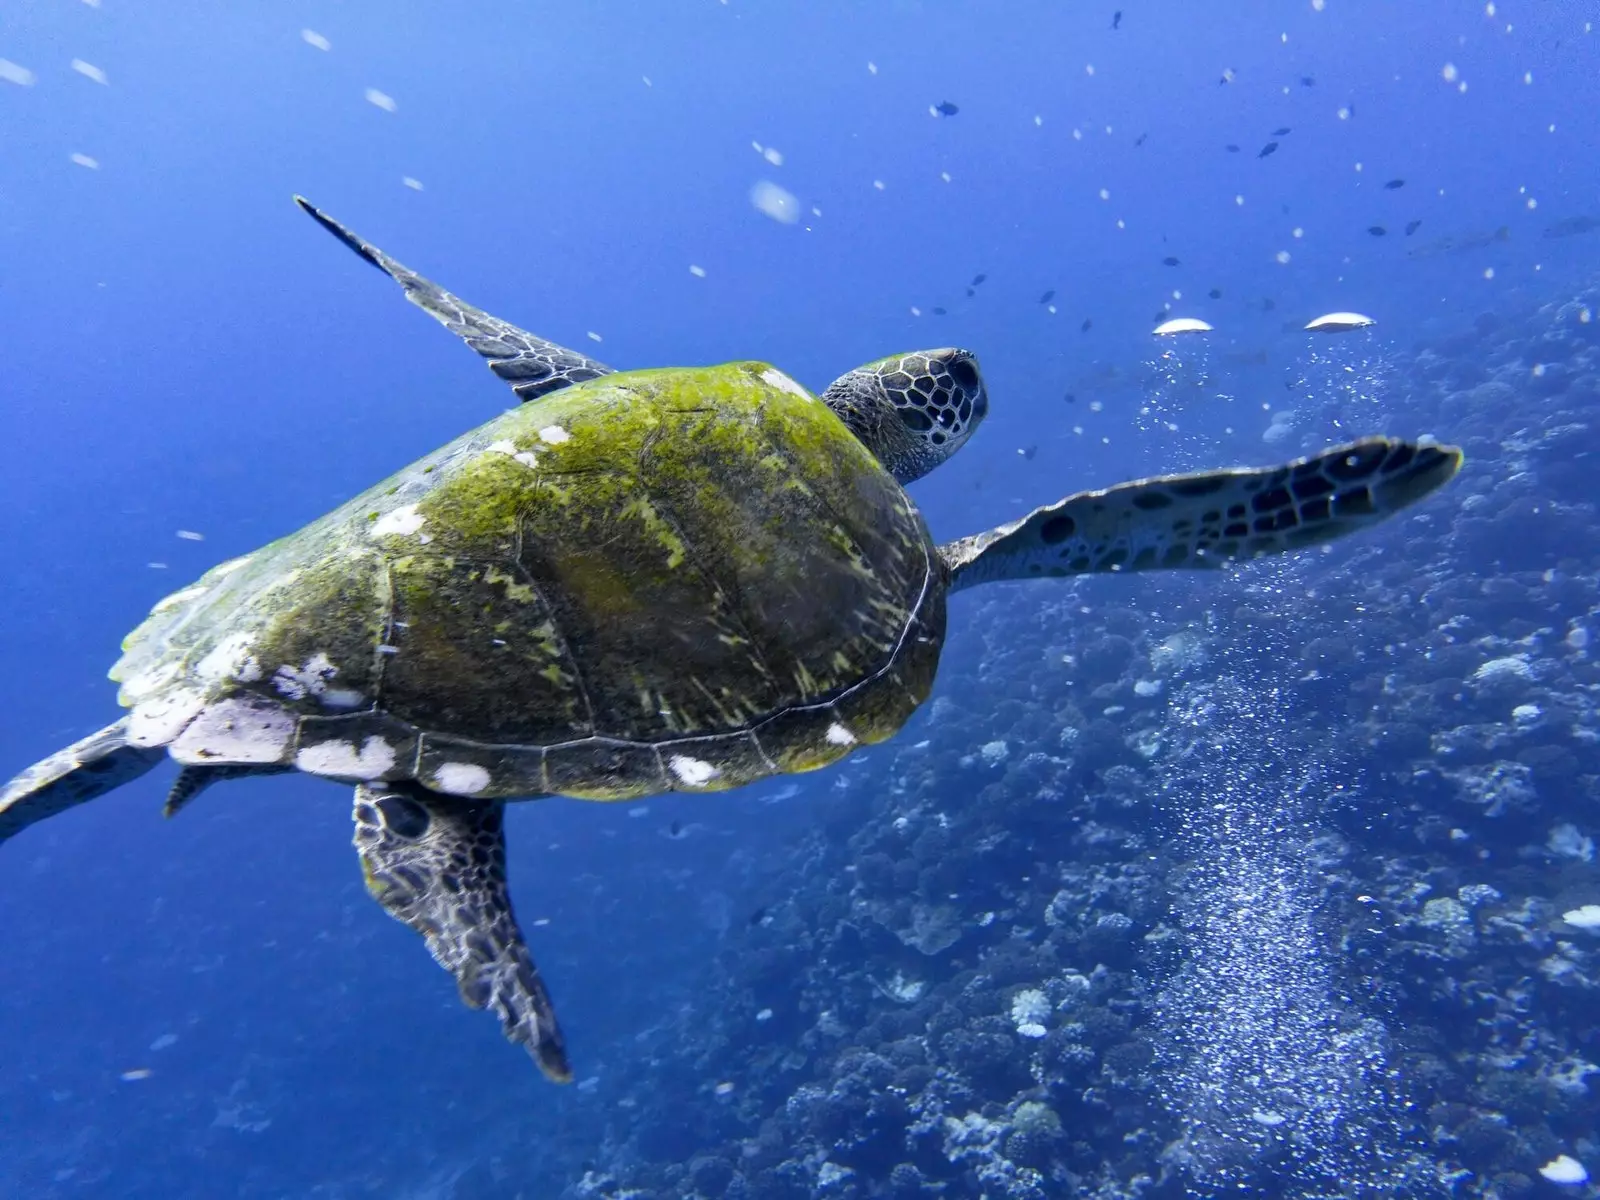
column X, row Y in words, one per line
column 783, row 383
column 240, row 729
column 460, row 779
column 230, row 659
column 142, row 684
column 157, row 721
column 180, row 597
column 507, row 447
column 403, row 522
column 693, row 771
column 345, row 698
column 554, row 435
column 342, row 761
column 309, row 680
column 838, row 735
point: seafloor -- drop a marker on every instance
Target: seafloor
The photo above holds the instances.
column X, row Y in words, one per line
column 1257, row 880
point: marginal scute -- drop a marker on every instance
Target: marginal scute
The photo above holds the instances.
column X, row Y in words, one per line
column 715, row 764
column 374, row 759
column 602, row 769
column 236, row 729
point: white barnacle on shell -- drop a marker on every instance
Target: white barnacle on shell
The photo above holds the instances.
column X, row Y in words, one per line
column 554, row 435
column 341, row 760
column 403, row 522
column 838, row 735
column 509, row 448
column 460, row 779
column 309, row 679
column 695, row 772
column 784, row 383
column 230, row 659
column 146, row 682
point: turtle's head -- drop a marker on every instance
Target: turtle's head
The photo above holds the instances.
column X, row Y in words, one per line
column 914, row 410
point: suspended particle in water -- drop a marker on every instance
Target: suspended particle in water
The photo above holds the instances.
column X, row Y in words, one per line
column 776, row 202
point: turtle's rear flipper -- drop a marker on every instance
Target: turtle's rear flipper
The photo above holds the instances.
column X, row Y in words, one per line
column 532, row 366
column 1208, row 518
column 82, row 771
column 438, row 864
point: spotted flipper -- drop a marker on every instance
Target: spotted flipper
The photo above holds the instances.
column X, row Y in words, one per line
column 1209, row 518
column 438, row 864
column 82, row 771
column 532, row 366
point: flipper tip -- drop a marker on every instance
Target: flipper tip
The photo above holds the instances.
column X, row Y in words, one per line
column 339, row 231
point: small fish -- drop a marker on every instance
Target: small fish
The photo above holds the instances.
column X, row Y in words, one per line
column 1071, row 397
column 1283, row 132
column 970, row 292
column 1572, row 226
column 1227, row 76
column 1028, row 452
column 1394, row 185
column 1413, row 226
column 1139, row 141
column 1377, row 230
column 1215, row 293
column 675, row 829
column 1269, row 148
column 945, row 109
column 1454, row 245
column 938, row 312
column 977, row 279
column 1116, row 19
column 1307, row 81
column 1048, row 296
column 1088, row 324
column 1231, row 148
column 1169, row 261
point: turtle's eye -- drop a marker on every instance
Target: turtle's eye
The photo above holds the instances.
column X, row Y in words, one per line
column 965, row 372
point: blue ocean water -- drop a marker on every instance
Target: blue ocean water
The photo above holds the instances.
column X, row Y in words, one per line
column 1272, row 866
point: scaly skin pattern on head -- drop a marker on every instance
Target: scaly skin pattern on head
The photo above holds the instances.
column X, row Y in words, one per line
column 913, row 410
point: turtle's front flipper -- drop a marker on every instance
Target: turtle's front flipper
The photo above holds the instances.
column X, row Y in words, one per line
column 532, row 366
column 82, row 771
column 438, row 864
column 1209, row 518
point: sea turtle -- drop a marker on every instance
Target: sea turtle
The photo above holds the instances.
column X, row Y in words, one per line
column 679, row 579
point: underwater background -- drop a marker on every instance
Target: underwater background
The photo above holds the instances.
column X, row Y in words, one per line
column 1271, row 882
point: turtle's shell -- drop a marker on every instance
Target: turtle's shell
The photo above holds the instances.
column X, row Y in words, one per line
column 670, row 579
